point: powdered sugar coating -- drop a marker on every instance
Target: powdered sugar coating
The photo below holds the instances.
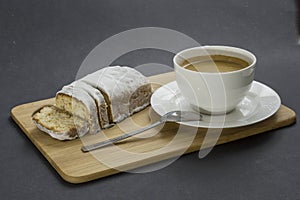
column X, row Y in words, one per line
column 118, row 83
column 99, row 99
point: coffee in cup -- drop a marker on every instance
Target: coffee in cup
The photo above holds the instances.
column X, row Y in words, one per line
column 214, row 79
column 214, row 63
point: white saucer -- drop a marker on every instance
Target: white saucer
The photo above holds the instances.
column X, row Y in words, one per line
column 260, row 103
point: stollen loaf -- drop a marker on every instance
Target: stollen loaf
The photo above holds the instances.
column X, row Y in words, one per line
column 94, row 102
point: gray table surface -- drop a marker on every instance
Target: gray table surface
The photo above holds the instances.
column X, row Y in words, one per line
column 42, row 44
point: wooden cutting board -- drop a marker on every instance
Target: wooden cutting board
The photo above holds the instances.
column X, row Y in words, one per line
column 164, row 142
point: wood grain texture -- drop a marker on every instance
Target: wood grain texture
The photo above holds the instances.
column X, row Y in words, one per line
column 166, row 141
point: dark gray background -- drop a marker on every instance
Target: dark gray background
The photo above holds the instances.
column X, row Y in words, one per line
column 42, row 44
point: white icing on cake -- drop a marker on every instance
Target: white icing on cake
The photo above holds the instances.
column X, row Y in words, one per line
column 118, row 83
column 99, row 99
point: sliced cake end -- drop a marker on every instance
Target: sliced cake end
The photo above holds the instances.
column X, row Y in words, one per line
column 59, row 124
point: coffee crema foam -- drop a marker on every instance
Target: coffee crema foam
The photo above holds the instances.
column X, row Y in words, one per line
column 214, row 63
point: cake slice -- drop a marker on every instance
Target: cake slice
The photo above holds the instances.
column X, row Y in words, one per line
column 59, row 124
column 125, row 90
column 99, row 101
column 79, row 103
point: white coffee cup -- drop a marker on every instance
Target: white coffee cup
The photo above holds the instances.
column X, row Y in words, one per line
column 214, row 92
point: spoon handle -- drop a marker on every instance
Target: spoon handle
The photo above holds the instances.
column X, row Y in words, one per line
column 119, row 138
